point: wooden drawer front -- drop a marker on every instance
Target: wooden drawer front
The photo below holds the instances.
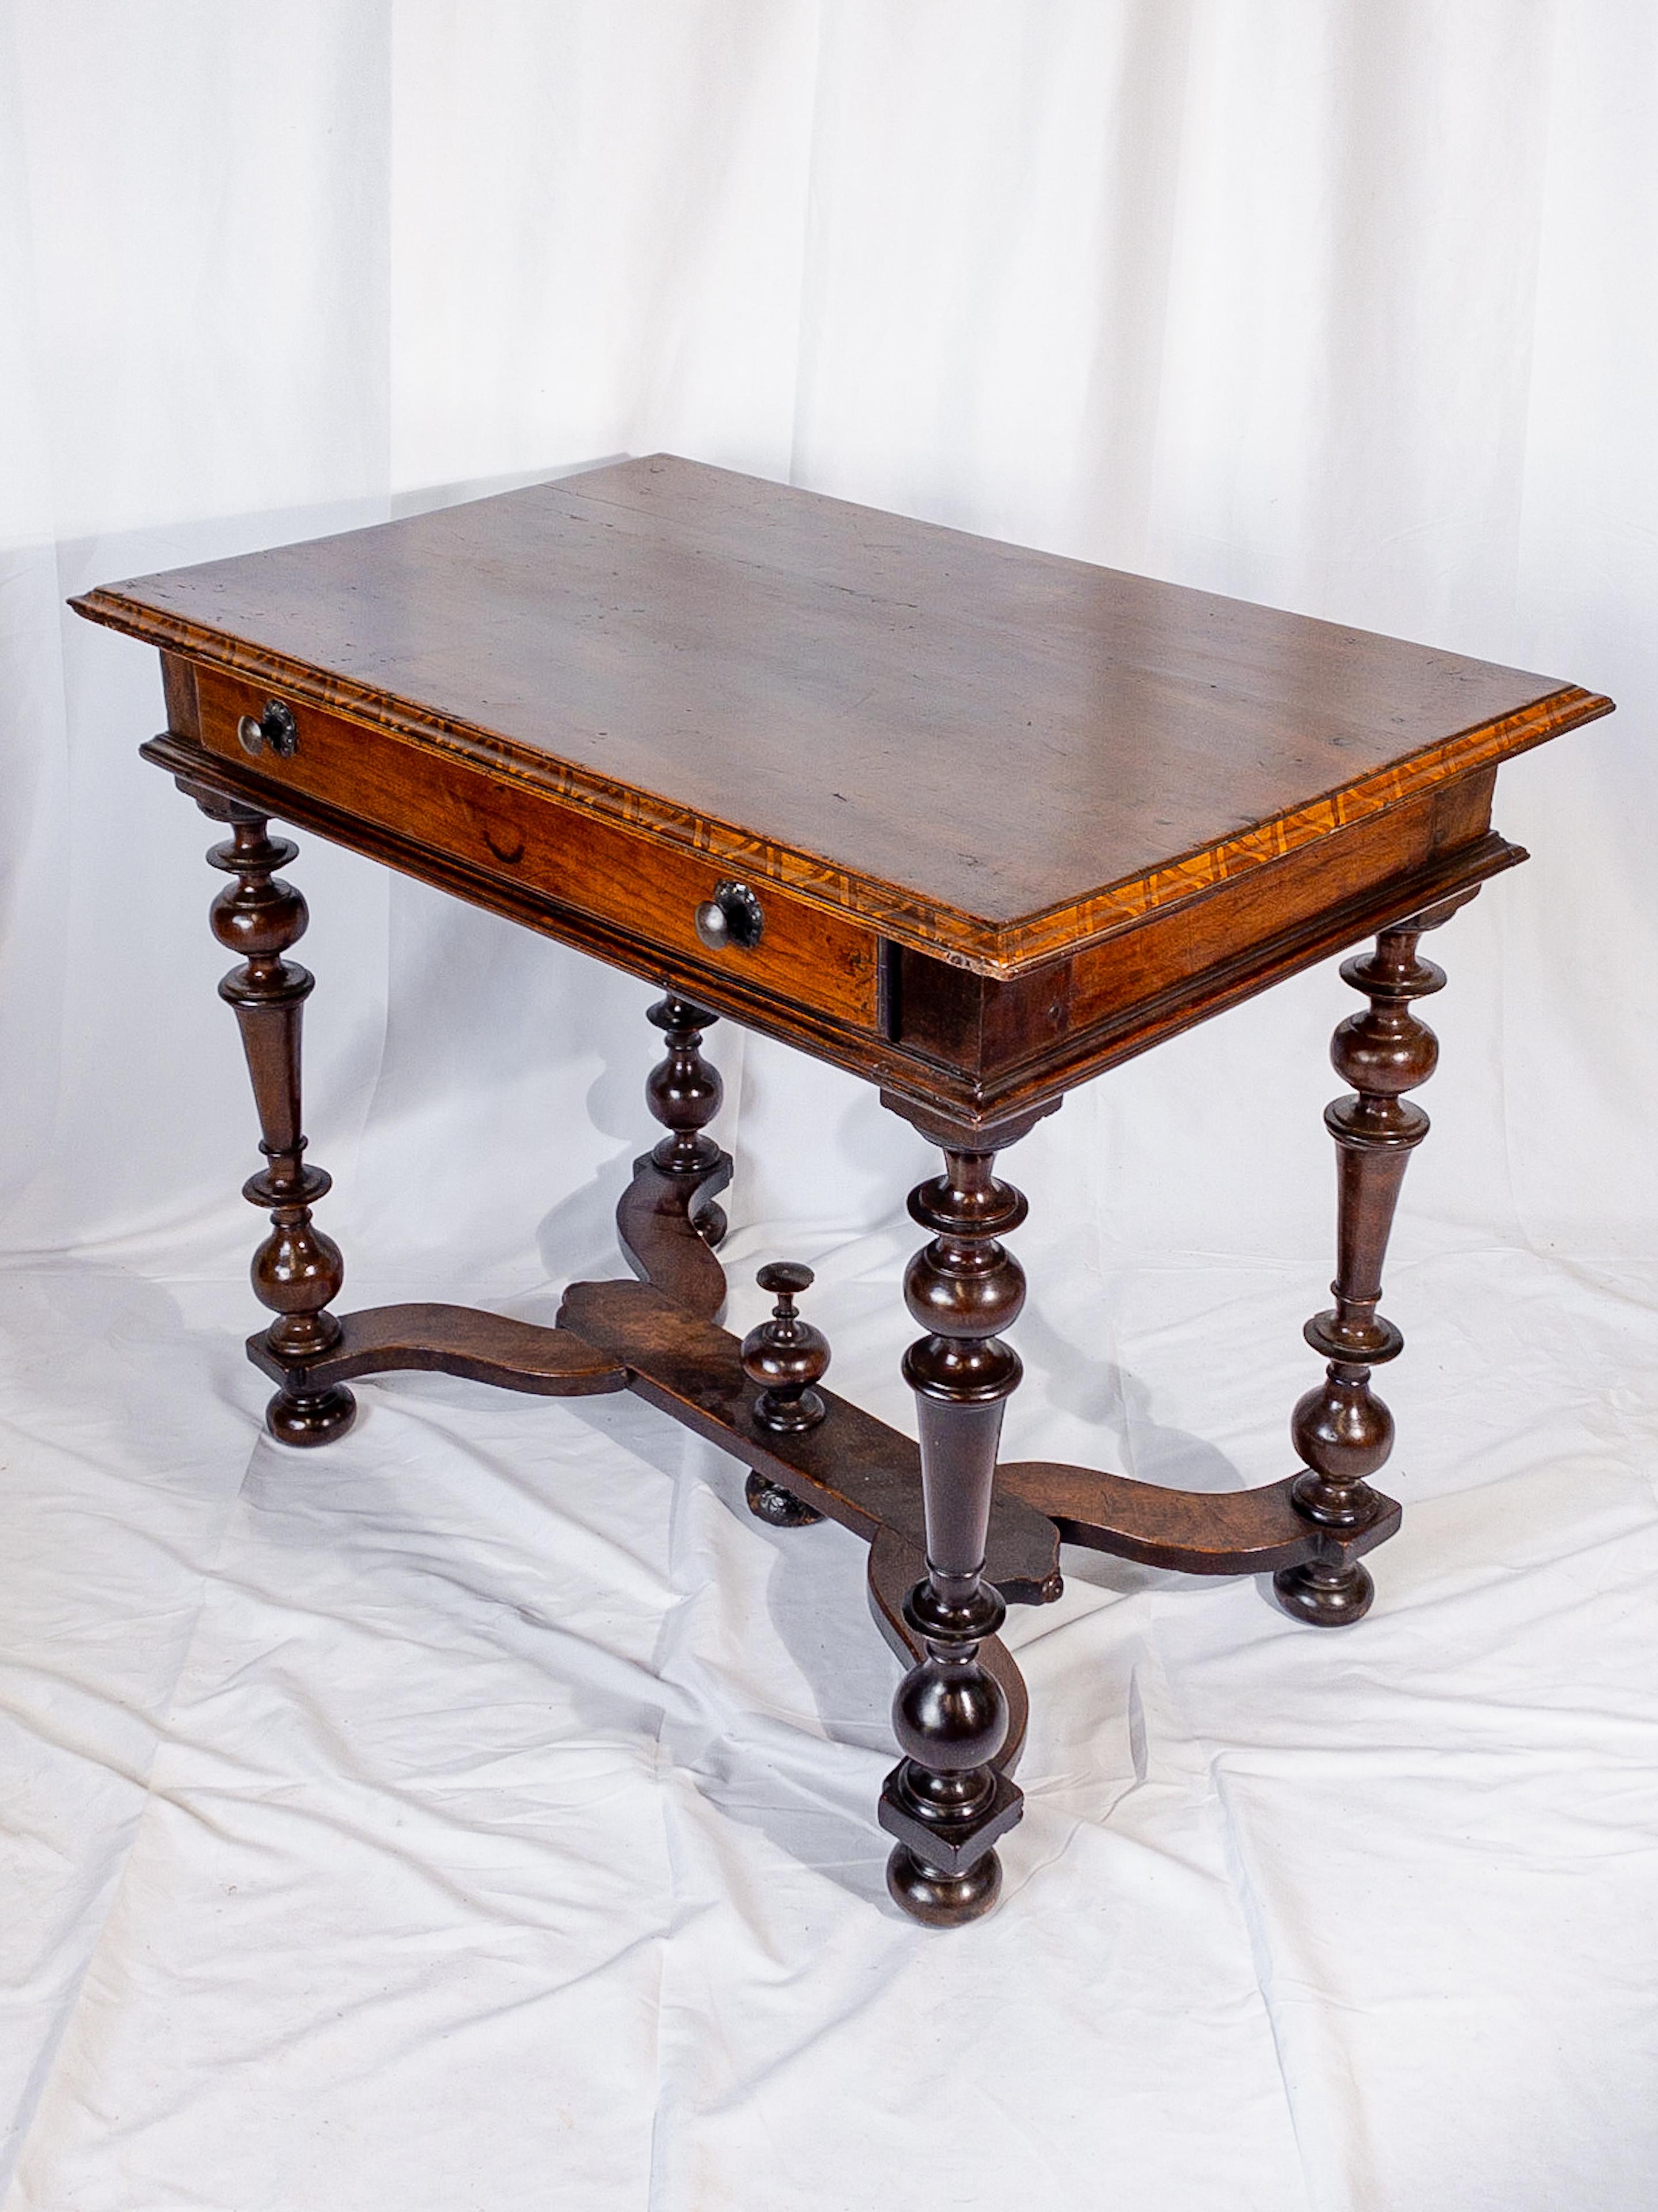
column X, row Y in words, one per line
column 511, row 831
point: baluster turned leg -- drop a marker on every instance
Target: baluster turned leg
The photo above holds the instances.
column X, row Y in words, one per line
column 683, row 1092
column 297, row 1271
column 945, row 1801
column 1341, row 1431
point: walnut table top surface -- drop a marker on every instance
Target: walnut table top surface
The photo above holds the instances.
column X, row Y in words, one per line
column 1004, row 754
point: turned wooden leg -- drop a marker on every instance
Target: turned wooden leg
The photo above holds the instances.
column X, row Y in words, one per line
column 297, row 1271
column 665, row 1220
column 684, row 1092
column 947, row 1802
column 1342, row 1432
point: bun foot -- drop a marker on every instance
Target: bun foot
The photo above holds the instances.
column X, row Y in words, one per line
column 317, row 1418
column 1329, row 1597
column 778, row 1507
column 939, row 1899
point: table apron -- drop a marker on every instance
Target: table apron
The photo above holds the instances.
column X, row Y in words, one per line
column 919, row 1012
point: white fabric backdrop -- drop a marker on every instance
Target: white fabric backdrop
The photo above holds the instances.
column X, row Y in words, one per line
column 478, row 1812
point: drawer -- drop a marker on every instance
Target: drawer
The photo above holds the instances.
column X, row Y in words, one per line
column 509, row 829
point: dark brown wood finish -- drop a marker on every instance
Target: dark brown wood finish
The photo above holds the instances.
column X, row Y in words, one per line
column 974, row 1073
column 978, row 1069
column 1342, row 1431
column 297, row 1271
column 972, row 822
column 670, row 1222
column 1194, row 1532
column 443, row 1339
column 784, row 1358
column 854, row 1468
column 895, row 1568
column 840, row 702
column 948, row 1798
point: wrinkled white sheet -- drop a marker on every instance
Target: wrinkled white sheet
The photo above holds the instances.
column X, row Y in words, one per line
column 478, row 1813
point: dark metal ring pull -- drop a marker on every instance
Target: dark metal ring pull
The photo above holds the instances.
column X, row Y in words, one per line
column 275, row 730
column 732, row 918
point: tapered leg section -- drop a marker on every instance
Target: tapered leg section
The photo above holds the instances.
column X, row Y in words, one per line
column 297, row 1271
column 947, row 1802
column 1342, row 1432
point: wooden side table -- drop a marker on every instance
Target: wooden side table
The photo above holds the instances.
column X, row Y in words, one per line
column 973, row 822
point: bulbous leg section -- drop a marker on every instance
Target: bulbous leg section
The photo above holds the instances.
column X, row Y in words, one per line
column 311, row 1417
column 1326, row 1597
column 778, row 1507
column 938, row 1900
column 683, row 1093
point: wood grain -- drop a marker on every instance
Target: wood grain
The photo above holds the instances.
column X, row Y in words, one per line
column 853, row 1467
column 1235, row 936
column 923, row 1058
column 463, row 1340
column 1197, row 1532
column 989, row 753
column 970, row 821
column 483, row 819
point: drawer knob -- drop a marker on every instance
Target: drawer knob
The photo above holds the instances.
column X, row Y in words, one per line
column 732, row 917
column 275, row 731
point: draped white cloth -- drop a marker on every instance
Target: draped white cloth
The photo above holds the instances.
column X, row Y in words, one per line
column 479, row 1812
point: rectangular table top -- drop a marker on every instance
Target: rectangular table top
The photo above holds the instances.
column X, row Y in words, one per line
column 1016, row 753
